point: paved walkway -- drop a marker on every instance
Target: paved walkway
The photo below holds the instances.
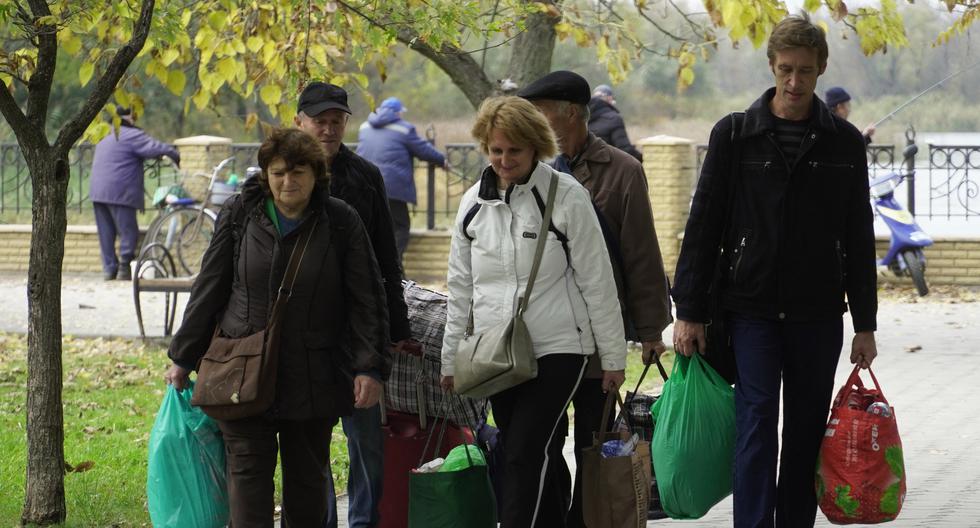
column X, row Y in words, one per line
column 928, row 365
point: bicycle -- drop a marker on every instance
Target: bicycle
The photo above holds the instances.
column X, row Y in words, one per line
column 183, row 230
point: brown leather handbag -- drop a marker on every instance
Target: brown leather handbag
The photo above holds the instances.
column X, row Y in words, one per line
column 236, row 378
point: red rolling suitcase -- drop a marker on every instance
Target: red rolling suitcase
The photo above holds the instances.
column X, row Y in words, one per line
column 405, row 436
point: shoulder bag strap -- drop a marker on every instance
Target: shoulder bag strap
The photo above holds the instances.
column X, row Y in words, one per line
column 539, row 250
column 292, row 269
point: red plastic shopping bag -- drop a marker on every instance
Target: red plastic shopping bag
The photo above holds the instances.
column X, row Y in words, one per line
column 860, row 474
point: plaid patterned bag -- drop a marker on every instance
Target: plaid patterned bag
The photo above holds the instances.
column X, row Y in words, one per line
column 413, row 386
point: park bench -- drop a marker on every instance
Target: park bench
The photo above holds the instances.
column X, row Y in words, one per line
column 157, row 273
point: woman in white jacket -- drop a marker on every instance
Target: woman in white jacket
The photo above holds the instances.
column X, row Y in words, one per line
column 573, row 311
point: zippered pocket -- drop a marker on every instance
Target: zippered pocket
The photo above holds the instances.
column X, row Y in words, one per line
column 815, row 165
column 841, row 262
column 738, row 253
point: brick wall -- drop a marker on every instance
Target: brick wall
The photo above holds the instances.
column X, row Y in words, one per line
column 427, row 256
column 81, row 248
column 949, row 261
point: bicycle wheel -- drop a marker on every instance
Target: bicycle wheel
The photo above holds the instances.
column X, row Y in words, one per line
column 193, row 241
column 915, row 263
column 185, row 233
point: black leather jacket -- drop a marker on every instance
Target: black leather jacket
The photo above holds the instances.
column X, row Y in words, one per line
column 799, row 236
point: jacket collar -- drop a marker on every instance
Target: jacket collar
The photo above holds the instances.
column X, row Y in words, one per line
column 759, row 119
column 488, row 193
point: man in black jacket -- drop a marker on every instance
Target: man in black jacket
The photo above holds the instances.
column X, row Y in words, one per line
column 781, row 224
column 323, row 113
column 605, row 121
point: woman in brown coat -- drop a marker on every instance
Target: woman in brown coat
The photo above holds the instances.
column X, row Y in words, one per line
column 333, row 331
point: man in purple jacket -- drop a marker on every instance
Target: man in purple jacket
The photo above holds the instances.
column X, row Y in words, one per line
column 116, row 191
column 390, row 142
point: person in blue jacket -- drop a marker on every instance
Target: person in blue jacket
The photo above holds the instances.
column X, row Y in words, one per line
column 116, row 190
column 391, row 143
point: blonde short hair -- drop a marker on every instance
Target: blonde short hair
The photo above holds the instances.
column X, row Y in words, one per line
column 520, row 121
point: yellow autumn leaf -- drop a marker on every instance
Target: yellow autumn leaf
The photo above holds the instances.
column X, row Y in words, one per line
column 168, row 56
column 176, row 81
column 217, row 20
column 270, row 95
column 254, row 44
column 201, row 99
column 85, row 72
column 319, row 54
column 70, row 43
column 226, row 69
column 250, row 120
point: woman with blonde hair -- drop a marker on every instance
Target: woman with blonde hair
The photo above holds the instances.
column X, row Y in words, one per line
column 573, row 310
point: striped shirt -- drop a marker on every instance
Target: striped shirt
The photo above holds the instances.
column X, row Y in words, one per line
column 789, row 136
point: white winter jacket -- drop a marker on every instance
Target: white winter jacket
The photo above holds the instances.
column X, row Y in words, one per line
column 574, row 308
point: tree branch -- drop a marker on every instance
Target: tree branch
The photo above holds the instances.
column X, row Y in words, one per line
column 17, row 120
column 39, row 85
column 462, row 69
column 108, row 81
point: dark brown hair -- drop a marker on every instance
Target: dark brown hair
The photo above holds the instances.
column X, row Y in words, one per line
column 796, row 31
column 296, row 148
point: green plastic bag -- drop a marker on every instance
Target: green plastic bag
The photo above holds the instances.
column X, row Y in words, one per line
column 457, row 459
column 694, row 439
column 185, row 480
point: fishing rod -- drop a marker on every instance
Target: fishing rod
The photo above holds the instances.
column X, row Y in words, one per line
column 920, row 94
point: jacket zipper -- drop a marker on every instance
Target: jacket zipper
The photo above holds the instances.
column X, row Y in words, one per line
column 841, row 258
column 740, row 250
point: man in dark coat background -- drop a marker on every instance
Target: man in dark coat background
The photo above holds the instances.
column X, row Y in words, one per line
column 116, row 190
column 605, row 121
column 323, row 113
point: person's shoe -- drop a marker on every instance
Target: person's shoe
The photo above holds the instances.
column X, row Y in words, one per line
column 125, row 272
column 108, row 276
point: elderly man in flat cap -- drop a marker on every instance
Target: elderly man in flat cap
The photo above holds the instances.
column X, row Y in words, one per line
column 619, row 191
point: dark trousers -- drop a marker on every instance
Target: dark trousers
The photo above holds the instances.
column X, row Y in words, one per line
column 802, row 356
column 111, row 220
column 402, row 223
column 251, row 446
column 588, row 402
column 528, row 416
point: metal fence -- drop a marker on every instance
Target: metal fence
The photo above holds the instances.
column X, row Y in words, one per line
column 952, row 174
column 15, row 180
column 444, row 188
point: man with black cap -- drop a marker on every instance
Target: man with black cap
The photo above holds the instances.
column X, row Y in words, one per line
column 323, row 113
column 606, row 123
column 619, row 192
column 839, row 102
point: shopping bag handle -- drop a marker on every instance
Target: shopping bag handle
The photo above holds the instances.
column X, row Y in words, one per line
column 855, row 380
column 612, row 398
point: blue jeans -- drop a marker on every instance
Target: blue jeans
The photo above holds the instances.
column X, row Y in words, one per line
column 365, row 446
column 802, row 357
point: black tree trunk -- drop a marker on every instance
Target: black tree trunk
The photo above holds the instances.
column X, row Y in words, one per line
column 44, row 501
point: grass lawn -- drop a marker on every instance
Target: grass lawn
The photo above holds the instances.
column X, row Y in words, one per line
column 112, row 391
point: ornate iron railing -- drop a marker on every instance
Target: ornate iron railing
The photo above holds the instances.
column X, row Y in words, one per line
column 954, row 189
